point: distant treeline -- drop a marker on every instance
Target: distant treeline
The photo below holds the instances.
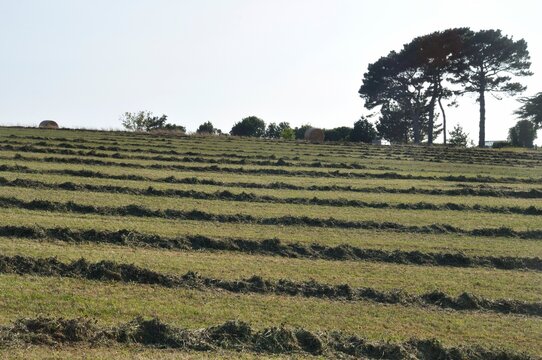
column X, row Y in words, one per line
column 405, row 88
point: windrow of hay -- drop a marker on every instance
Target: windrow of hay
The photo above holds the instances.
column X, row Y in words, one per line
column 226, row 195
column 197, row 215
column 461, row 190
column 112, row 271
column 515, row 161
column 191, row 159
column 277, row 171
column 237, row 336
column 269, row 247
column 422, row 153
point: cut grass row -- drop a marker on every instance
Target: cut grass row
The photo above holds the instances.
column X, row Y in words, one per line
column 320, row 159
column 272, row 247
column 106, row 270
column 416, row 280
column 368, row 239
column 237, row 335
column 222, row 159
column 274, row 191
column 265, row 213
column 113, row 302
column 248, row 144
column 252, row 197
column 315, row 250
column 125, row 352
column 38, row 166
column 276, row 168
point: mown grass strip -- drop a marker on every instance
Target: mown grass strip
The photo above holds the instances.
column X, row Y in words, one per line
column 273, row 247
column 192, row 158
column 233, row 157
column 128, row 273
column 330, row 148
column 234, row 336
column 464, row 190
column 197, row 215
column 282, row 172
column 371, row 151
column 251, row 197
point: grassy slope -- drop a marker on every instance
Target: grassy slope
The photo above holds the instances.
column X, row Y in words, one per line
column 110, row 302
column 524, row 285
column 406, row 217
column 284, row 193
column 386, row 240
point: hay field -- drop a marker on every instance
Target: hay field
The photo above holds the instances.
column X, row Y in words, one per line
column 118, row 245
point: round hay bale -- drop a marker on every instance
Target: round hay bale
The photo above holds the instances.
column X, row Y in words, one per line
column 48, row 124
column 314, row 135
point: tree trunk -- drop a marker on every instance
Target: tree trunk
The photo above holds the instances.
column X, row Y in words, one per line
column 482, row 133
column 416, row 127
column 482, row 100
column 431, row 118
column 443, row 118
column 436, row 92
column 416, row 123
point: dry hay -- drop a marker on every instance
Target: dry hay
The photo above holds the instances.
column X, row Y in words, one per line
column 48, row 124
column 314, row 135
column 234, row 335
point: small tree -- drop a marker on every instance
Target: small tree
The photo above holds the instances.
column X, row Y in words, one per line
column 522, row 134
column 363, row 131
column 458, row 137
column 146, row 121
column 135, row 121
column 206, row 128
column 274, row 131
column 531, row 110
column 249, row 126
column 394, row 125
column 155, row 123
column 288, row 134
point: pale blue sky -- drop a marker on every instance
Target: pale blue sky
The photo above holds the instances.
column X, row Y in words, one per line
column 83, row 63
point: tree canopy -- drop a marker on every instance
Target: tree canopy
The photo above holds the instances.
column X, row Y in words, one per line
column 275, row 131
column 249, row 126
column 531, row 109
column 206, row 128
column 458, row 137
column 522, row 134
column 406, row 85
column 300, row 131
column 341, row 133
column 491, row 62
column 146, row 121
column 363, row 131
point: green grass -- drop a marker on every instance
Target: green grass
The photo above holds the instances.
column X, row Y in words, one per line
column 394, row 164
column 132, row 352
column 282, row 193
column 501, row 172
column 230, row 177
column 482, row 246
column 112, row 302
column 523, row 285
column 461, row 219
